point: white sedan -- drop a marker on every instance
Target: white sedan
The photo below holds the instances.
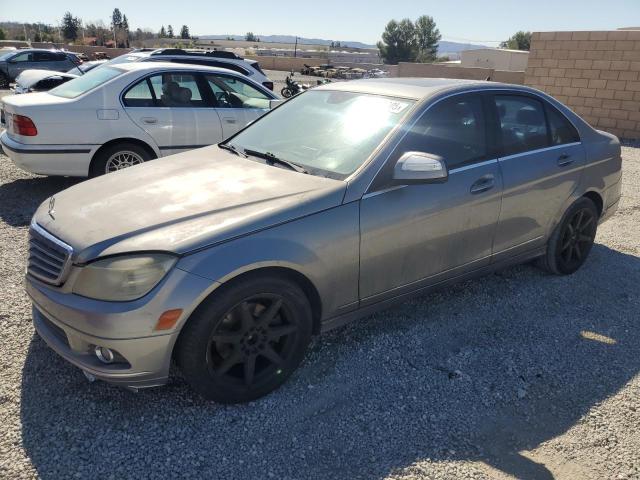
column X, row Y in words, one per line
column 122, row 115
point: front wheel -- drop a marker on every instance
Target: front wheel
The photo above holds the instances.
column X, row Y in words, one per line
column 246, row 340
column 571, row 241
column 286, row 92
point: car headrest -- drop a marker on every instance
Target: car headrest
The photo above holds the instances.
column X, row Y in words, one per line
column 530, row 116
column 183, row 95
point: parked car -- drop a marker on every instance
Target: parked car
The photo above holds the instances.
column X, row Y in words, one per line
column 100, row 56
column 14, row 62
column 83, row 57
column 337, row 203
column 120, row 115
column 44, row 80
column 211, row 58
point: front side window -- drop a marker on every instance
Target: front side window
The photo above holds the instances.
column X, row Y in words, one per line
column 454, row 129
column 76, row 87
column 329, row 133
column 231, row 92
column 562, row 131
column 523, row 126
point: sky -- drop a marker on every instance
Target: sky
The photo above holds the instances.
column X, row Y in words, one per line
column 474, row 21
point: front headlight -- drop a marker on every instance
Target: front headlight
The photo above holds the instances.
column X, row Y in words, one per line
column 124, row 277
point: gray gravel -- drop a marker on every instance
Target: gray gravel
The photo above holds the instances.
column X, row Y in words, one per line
column 499, row 377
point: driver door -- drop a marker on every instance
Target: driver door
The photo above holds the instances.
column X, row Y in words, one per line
column 419, row 234
column 238, row 102
column 19, row 63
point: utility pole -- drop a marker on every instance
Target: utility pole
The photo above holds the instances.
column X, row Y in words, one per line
column 295, row 49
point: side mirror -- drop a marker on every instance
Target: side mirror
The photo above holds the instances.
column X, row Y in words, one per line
column 419, row 167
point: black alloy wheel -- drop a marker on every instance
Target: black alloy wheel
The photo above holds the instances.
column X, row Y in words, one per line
column 573, row 238
column 246, row 339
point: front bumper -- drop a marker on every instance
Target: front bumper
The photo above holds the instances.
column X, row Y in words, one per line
column 149, row 357
column 73, row 325
column 67, row 160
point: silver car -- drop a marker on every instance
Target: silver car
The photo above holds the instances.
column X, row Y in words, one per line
column 337, row 203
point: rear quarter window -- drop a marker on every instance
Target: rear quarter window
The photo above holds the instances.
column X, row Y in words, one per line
column 93, row 79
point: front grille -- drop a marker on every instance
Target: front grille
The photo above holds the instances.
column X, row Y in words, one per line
column 49, row 258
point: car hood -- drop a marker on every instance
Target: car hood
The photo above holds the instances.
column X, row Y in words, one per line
column 181, row 203
column 28, row 78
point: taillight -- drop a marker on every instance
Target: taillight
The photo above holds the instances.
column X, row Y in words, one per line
column 269, row 85
column 24, row 126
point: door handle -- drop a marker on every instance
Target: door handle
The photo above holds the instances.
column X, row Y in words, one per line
column 230, row 120
column 483, row 184
column 564, row 159
column 149, row 120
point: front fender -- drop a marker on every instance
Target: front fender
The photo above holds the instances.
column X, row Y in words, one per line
column 324, row 247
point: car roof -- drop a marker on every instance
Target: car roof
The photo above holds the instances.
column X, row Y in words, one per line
column 23, row 50
column 414, row 88
column 136, row 66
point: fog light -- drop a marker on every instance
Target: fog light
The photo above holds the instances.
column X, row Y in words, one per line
column 104, row 354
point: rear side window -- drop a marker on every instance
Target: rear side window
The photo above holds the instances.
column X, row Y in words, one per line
column 454, row 129
column 523, row 126
column 562, row 131
column 174, row 90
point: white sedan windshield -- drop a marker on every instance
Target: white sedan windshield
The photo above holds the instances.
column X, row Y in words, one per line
column 332, row 132
column 76, row 87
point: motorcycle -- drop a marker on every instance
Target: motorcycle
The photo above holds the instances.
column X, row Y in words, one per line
column 292, row 87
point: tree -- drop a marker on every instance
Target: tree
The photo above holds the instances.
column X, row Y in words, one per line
column 116, row 19
column 70, row 26
column 427, row 38
column 184, row 32
column 169, row 31
column 398, row 42
column 250, row 37
column 519, row 41
column 406, row 41
column 162, row 33
column 3, row 35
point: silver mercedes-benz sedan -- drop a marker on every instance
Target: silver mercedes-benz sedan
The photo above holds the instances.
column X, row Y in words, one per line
column 337, row 203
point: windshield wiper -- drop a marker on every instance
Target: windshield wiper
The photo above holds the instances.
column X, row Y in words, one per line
column 272, row 159
column 232, row 148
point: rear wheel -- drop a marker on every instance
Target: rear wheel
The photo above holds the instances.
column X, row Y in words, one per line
column 572, row 239
column 246, row 340
column 118, row 157
column 286, row 92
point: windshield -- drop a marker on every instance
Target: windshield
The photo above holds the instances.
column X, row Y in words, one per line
column 6, row 55
column 76, row 87
column 327, row 131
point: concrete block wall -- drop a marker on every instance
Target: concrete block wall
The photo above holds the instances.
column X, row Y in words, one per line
column 434, row 70
column 597, row 74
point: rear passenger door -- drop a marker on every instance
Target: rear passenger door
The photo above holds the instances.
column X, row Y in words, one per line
column 238, row 103
column 175, row 109
column 541, row 162
column 52, row 61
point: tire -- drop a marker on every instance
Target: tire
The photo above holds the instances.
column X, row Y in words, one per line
column 4, row 81
column 107, row 158
column 286, row 92
column 246, row 339
column 572, row 239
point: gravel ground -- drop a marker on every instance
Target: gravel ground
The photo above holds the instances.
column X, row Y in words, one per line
column 517, row 374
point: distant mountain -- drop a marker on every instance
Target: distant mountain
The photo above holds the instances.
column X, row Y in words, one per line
column 444, row 47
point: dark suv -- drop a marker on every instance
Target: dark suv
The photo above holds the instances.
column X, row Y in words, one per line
column 16, row 61
column 209, row 58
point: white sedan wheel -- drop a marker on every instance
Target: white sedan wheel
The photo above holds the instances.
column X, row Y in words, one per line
column 122, row 159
